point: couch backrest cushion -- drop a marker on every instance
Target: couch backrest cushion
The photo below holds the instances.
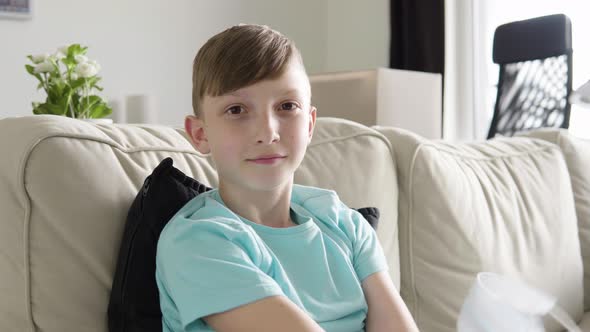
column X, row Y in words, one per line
column 577, row 156
column 66, row 186
column 503, row 206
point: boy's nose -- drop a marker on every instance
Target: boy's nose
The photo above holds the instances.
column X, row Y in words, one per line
column 267, row 129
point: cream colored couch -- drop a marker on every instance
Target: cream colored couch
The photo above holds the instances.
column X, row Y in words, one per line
column 507, row 206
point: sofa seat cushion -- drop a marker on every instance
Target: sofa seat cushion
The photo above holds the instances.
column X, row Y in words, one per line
column 577, row 156
column 503, row 206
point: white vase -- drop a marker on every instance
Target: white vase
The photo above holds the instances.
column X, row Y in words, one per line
column 499, row 303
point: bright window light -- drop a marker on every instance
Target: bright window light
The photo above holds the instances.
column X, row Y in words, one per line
column 503, row 11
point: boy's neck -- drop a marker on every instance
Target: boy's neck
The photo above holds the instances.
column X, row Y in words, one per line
column 268, row 208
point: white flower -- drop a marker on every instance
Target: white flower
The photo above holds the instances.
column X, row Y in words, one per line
column 81, row 58
column 63, row 49
column 95, row 64
column 59, row 55
column 74, row 76
column 86, row 70
column 44, row 67
column 40, row 57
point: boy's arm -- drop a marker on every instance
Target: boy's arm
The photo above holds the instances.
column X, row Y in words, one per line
column 387, row 310
column 274, row 313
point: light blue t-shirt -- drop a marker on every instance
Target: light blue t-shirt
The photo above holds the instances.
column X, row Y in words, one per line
column 211, row 260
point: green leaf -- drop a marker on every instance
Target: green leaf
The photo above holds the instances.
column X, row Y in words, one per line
column 90, row 101
column 47, row 108
column 31, row 70
column 55, row 109
column 51, row 95
column 96, row 111
column 68, row 61
column 92, row 81
column 75, row 100
column 100, row 110
column 76, row 49
column 73, row 49
column 77, row 83
column 37, row 109
column 57, row 87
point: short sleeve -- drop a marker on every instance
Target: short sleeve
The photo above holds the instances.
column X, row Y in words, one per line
column 211, row 266
column 368, row 256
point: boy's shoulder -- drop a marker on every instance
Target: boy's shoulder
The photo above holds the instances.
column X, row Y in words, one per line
column 305, row 195
column 203, row 214
column 325, row 206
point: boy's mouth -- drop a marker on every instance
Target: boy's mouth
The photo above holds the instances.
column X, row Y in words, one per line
column 267, row 159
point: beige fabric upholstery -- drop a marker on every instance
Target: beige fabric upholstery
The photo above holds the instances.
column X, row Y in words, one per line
column 66, row 186
column 503, row 206
column 577, row 156
column 584, row 324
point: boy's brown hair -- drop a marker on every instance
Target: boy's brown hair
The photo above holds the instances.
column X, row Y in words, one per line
column 237, row 57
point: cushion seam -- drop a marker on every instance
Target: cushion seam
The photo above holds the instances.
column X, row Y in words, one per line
column 410, row 233
column 341, row 138
column 506, row 155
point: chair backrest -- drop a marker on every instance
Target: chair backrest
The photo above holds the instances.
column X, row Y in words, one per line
column 535, row 58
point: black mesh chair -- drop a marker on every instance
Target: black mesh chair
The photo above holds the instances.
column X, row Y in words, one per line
column 535, row 58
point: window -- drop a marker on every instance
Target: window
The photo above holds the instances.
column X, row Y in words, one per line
column 498, row 12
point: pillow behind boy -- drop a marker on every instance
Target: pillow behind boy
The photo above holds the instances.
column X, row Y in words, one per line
column 134, row 303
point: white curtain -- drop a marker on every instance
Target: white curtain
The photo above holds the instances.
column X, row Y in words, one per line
column 466, row 116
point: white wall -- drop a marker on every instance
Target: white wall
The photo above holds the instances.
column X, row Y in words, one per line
column 147, row 47
column 358, row 35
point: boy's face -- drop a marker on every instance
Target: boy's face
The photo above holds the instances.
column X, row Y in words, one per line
column 257, row 135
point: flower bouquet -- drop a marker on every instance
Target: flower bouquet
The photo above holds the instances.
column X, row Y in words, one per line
column 69, row 79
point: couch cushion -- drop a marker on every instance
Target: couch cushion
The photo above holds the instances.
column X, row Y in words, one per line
column 66, row 186
column 503, row 206
column 577, row 156
column 584, row 323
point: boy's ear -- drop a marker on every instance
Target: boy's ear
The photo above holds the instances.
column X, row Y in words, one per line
column 312, row 117
column 195, row 129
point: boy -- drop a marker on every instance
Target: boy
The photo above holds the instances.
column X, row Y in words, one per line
column 260, row 253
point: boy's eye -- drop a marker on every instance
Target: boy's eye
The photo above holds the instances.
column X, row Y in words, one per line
column 288, row 106
column 235, row 110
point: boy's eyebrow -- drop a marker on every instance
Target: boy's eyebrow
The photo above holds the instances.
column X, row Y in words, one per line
column 243, row 95
column 234, row 93
column 291, row 91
